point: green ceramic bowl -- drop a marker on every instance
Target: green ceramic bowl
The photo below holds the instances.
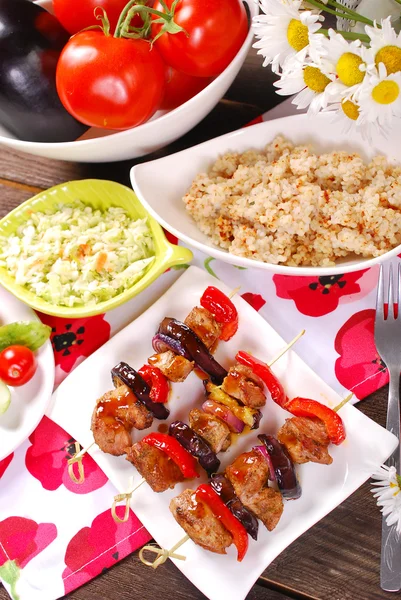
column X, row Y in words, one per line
column 98, row 194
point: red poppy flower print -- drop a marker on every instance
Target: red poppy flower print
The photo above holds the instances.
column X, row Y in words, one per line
column 47, row 460
column 255, row 300
column 359, row 368
column 173, row 239
column 75, row 338
column 4, row 464
column 255, row 121
column 98, row 547
column 318, row 296
column 22, row 539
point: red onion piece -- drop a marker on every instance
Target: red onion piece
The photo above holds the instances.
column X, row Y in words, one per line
column 266, row 456
column 225, row 414
column 161, row 343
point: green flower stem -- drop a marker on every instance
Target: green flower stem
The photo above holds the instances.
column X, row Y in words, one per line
column 351, row 12
column 128, row 12
column 342, row 15
column 348, row 35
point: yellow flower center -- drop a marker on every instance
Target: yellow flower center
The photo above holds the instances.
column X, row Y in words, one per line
column 315, row 79
column 390, row 56
column 348, row 69
column 297, row 35
column 350, row 109
column 386, row 92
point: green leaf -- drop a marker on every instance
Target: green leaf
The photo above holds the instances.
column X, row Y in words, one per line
column 208, row 267
column 399, row 480
column 10, row 573
column 240, row 268
column 178, row 267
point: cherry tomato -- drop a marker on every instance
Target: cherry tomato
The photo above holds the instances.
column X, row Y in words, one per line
column 214, row 32
column 181, row 87
column 17, row 365
column 75, row 15
column 108, row 82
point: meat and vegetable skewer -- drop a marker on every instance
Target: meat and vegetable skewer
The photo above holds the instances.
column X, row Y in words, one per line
column 243, row 489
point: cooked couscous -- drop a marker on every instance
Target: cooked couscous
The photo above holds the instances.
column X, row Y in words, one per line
column 285, row 204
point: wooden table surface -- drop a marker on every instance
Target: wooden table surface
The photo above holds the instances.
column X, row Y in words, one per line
column 338, row 559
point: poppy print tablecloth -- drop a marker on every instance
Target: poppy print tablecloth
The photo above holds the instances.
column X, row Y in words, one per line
column 56, row 535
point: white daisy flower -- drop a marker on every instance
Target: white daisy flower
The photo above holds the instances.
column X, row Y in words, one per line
column 336, row 56
column 347, row 114
column 387, row 491
column 283, row 30
column 301, row 77
column 379, row 97
column 385, row 46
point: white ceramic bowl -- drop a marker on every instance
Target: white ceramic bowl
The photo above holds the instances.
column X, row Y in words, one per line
column 161, row 130
column 161, row 184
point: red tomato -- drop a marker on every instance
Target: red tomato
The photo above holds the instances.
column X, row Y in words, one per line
column 17, row 365
column 75, row 15
column 108, row 82
column 214, row 32
column 181, row 87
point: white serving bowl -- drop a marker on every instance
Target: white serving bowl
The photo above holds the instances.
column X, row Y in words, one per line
column 161, row 184
column 164, row 128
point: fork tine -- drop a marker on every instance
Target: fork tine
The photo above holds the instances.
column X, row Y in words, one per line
column 390, row 301
column 380, row 295
column 399, row 291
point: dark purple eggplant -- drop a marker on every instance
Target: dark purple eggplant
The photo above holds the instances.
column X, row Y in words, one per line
column 162, row 343
column 195, row 445
column 283, row 467
column 30, row 44
column 194, row 346
column 222, row 486
column 123, row 373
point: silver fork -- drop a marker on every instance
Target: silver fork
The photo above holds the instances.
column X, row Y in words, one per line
column 388, row 344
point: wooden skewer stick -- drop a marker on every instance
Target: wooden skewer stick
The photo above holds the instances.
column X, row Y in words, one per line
column 235, row 291
column 127, row 498
column 162, row 553
column 343, row 402
column 77, row 458
column 287, row 347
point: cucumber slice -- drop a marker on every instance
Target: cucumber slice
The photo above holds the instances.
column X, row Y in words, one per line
column 5, row 397
column 32, row 334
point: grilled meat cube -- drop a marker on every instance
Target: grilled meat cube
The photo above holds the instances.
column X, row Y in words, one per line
column 267, row 505
column 203, row 323
column 173, row 366
column 248, row 475
column 114, row 416
column 212, row 429
column 199, row 523
column 306, row 440
column 242, row 383
column 155, row 466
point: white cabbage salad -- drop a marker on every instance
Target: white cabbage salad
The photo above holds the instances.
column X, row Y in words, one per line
column 78, row 255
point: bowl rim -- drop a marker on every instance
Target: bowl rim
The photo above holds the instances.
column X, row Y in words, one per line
column 145, row 127
column 228, row 257
column 170, row 255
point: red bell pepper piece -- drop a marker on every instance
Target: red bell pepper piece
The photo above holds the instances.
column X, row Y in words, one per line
column 158, row 383
column 223, row 310
column 205, row 493
column 304, row 407
column 264, row 372
column 183, row 459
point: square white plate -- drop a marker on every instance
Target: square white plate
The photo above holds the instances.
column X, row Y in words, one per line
column 324, row 487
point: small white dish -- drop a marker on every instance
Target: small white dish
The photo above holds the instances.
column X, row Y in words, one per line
column 324, row 487
column 28, row 402
column 100, row 145
column 161, row 184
